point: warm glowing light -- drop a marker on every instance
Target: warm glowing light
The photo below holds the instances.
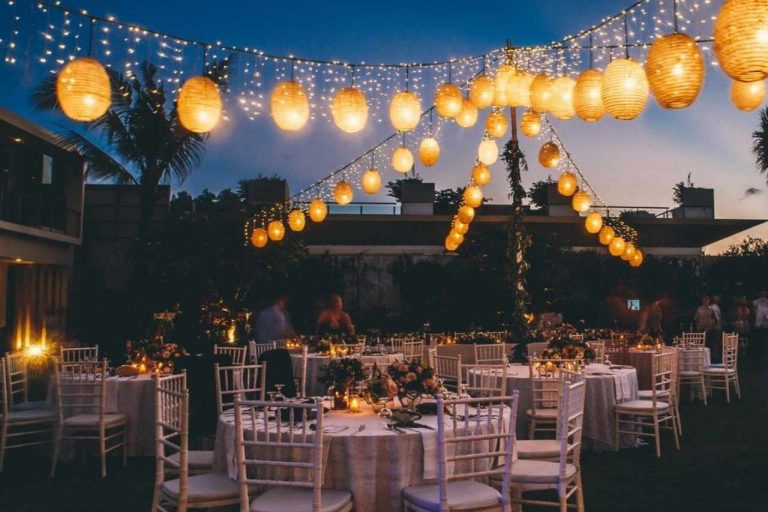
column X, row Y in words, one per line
column 606, row 235
column 496, row 124
column 83, row 89
column 587, row 96
column 456, row 237
column 259, row 238
column 371, row 181
column 617, row 246
column 199, row 104
column 581, row 201
column 402, row 160
column 429, row 152
column 467, row 116
column 541, row 93
column 405, row 111
column 276, row 230
column 481, row 92
column 466, row 214
column 349, row 109
column 549, row 155
column 481, row 175
column 34, row 351
column 450, row 245
column 297, row 220
column 460, row 227
column 343, row 193
column 567, row 184
column 318, row 210
column 675, row 70
column 637, row 258
column 448, row 100
column 290, row 106
column 473, row 196
column 518, row 90
column 488, row 152
column 593, row 223
column 503, row 74
column 741, row 39
column 747, row 96
column 625, row 89
column 530, row 124
column 561, row 105
column 629, row 252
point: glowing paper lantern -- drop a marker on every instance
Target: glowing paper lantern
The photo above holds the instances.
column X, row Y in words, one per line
column 637, row 258
column 371, row 181
column 448, row 100
column 402, row 159
column 405, row 111
column 549, row 155
column 199, row 104
column 481, row 175
column 625, row 89
column 450, row 245
column 83, row 89
column 593, row 223
column 518, row 90
column 297, row 220
column 259, row 238
column 466, row 214
column 503, row 74
column 290, row 106
column 349, row 109
column 629, row 252
column 429, row 152
column 581, row 201
column 530, row 124
column 473, row 196
column 460, row 227
column 747, row 96
column 617, row 246
column 481, row 92
column 567, row 184
column 541, row 93
column 675, row 70
column 318, row 210
column 588, row 97
column 276, row 230
column 606, row 235
column 741, row 39
column 488, row 152
column 343, row 193
column 467, row 116
column 496, row 124
column 561, row 105
column 456, row 237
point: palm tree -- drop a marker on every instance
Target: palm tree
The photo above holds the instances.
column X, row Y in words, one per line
column 760, row 142
column 148, row 143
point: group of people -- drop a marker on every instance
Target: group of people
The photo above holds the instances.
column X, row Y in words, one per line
column 274, row 322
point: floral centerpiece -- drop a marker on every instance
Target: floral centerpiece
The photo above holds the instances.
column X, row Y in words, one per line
column 412, row 380
column 341, row 375
column 379, row 388
column 562, row 345
column 596, row 334
column 648, row 342
column 155, row 354
column 478, row 338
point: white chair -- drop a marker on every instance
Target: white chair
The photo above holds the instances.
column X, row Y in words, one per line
column 637, row 417
column 495, row 353
column 448, row 369
column 545, row 385
column 243, row 382
column 81, row 402
column 288, row 459
column 598, row 349
column 256, row 349
column 79, row 354
column 726, row 374
column 238, row 354
column 472, row 451
column 206, row 490
column 18, row 388
column 693, row 339
column 690, row 365
column 396, row 344
column 20, row 428
column 413, row 350
column 483, row 380
column 432, row 355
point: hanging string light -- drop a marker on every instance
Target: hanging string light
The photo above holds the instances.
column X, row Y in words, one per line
column 276, row 230
column 549, row 155
column 259, row 238
column 467, row 116
column 496, row 124
column 371, row 178
column 83, row 90
column 625, row 85
column 459, row 226
column 481, row 92
column 561, row 105
column 616, row 246
column 606, row 235
column 343, row 193
column 581, row 201
column 318, row 210
column 500, row 85
column 747, row 96
column 473, row 196
column 741, row 39
column 488, row 152
column 405, row 108
column 530, row 123
column 290, row 105
column 593, row 223
column 429, row 152
column 541, row 93
column 349, row 108
column 481, row 175
column 518, row 89
column 296, row 220
column 637, row 258
column 199, row 104
column 587, row 95
column 567, row 184
column 448, row 98
column 466, row 214
column 402, row 158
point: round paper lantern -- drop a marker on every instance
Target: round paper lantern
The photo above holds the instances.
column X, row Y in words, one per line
column 561, row 105
column 318, row 210
column 83, row 89
column 567, row 184
column 460, row 227
column 405, row 111
column 456, row 237
column 549, row 155
column 488, row 152
column 466, row 214
column 747, row 96
column 588, row 96
column 448, row 100
column 473, row 196
column 496, row 124
column 402, row 159
column 617, row 246
column 581, row 201
column 290, row 106
column 530, row 124
column 276, row 230
column 371, row 181
column 296, row 220
column 541, row 93
column 481, row 175
column 637, row 258
column 343, row 193
column 625, row 89
column 606, row 235
column 503, row 74
column 450, row 245
column 675, row 70
column 199, row 104
column 629, row 251
column 741, row 39
column 518, row 90
column 593, row 223
column 467, row 116
column 481, row 92
column 349, row 109
column 429, row 152
column 259, row 238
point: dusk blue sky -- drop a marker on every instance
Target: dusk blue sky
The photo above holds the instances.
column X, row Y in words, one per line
column 628, row 163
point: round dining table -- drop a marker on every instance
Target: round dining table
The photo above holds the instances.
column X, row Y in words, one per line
column 317, row 362
column 642, row 361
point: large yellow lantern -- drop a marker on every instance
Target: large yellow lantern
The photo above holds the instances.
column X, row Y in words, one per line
column 488, row 152
column 429, row 152
column 456, row 237
column 530, row 124
column 276, row 230
column 741, row 39
column 518, row 90
column 481, row 175
column 405, row 111
column 460, row 227
column 496, row 124
column 588, row 96
column 616, row 246
column 450, row 245
column 481, row 92
column 466, row 214
column 581, row 201
column 567, row 184
column 349, row 109
column 541, row 93
column 549, row 155
column 593, row 223
column 747, row 96
column 473, row 196
column 318, row 210
column 606, row 235
column 343, row 193
column 402, row 159
column 561, row 105
column 675, row 70
column 625, row 89
column 259, row 238
column 467, row 116
column 637, row 258
column 199, row 104
column 448, row 100
column 83, row 89
column 296, row 220
column 371, row 181
column 503, row 74
column 629, row 251
column 290, row 106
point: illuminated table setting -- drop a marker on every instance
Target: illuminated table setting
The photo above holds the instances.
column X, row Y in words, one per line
column 316, row 362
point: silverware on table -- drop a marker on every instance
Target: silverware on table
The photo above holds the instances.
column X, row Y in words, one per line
column 359, row 429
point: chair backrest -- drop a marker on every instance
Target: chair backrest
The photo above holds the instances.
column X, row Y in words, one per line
column 256, row 349
column 491, row 354
column 663, row 375
column 545, row 380
column 4, row 405
column 238, row 354
column 730, row 350
column 598, row 349
column 577, row 337
column 448, row 369
column 172, row 428
column 691, row 359
column 694, row 339
column 280, row 371
column 432, row 354
column 79, row 354
column 397, row 343
column 16, row 378
column 616, row 345
column 413, row 350
column 285, row 452
column 246, row 382
column 81, row 388
column 475, row 446
column 570, row 423
column 483, row 380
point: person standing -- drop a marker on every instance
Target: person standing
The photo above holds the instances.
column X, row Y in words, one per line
column 273, row 323
column 760, row 337
column 333, row 320
column 705, row 321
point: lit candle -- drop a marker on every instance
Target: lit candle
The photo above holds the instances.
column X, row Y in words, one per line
column 354, row 404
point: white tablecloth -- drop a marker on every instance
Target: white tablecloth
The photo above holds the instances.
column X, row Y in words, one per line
column 316, row 362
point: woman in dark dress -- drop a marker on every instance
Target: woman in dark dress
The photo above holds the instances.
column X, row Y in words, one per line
column 333, row 320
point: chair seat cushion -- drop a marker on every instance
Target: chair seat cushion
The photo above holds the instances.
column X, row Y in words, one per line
column 111, row 419
column 205, row 487
column 527, row 471
column 647, row 394
column 641, row 405
column 281, row 499
column 30, row 416
column 40, row 405
column 462, row 495
column 537, row 448
column 550, row 414
column 196, row 459
column 689, row 373
column 718, row 370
